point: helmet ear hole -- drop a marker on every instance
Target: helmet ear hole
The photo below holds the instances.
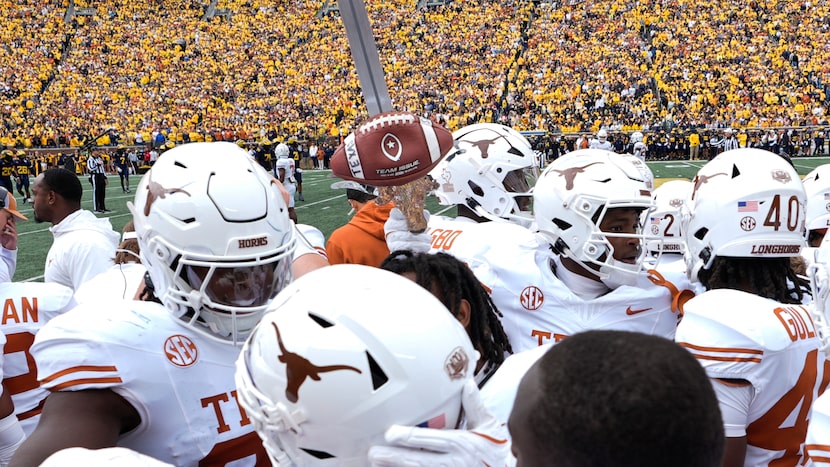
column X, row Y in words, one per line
column 320, row 320
column 475, row 188
column 561, row 224
column 379, row 377
column 318, row 454
column 701, row 233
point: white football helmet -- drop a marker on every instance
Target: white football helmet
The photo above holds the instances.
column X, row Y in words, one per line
column 636, row 137
column 491, row 172
column 282, row 151
column 644, row 169
column 325, row 374
column 215, row 237
column 664, row 222
column 819, row 274
column 817, row 187
column 746, row 203
column 573, row 195
column 602, row 135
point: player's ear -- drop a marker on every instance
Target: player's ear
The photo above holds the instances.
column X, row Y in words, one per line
column 463, row 314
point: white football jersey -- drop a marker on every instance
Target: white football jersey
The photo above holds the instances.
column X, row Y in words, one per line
column 597, row 144
column 818, row 432
column 287, row 164
column 499, row 392
column 515, row 266
column 740, row 336
column 667, row 263
column 180, row 382
column 27, row 307
column 640, row 150
column 444, row 231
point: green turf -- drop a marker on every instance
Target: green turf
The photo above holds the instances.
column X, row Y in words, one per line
column 323, row 208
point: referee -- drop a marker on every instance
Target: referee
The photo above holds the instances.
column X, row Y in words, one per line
column 95, row 164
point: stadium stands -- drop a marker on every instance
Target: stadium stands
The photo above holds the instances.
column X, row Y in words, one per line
column 284, row 68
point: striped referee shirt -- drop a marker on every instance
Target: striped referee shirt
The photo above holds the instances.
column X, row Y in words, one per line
column 95, row 165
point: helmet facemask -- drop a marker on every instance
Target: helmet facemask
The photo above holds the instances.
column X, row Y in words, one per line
column 597, row 252
column 225, row 299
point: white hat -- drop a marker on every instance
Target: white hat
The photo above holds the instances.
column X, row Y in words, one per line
column 351, row 185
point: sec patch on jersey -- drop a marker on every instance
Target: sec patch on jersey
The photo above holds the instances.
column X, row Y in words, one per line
column 392, row 148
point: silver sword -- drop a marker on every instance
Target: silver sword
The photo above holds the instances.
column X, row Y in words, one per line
column 365, row 55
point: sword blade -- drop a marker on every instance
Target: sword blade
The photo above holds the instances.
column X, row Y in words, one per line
column 365, row 54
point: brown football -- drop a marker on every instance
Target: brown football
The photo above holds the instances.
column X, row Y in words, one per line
column 392, row 148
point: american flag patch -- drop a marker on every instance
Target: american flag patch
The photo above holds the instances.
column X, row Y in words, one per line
column 747, row 206
column 655, row 220
column 826, row 196
column 439, row 422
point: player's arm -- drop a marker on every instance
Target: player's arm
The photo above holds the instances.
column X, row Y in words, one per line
column 734, row 397
column 734, row 452
column 92, row 418
column 11, row 433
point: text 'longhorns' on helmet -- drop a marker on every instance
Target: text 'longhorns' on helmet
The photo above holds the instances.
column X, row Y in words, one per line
column 491, row 172
column 325, row 374
column 215, row 237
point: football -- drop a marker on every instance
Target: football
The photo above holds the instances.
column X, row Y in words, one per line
column 392, row 148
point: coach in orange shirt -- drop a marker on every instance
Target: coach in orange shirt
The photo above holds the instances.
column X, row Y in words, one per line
column 361, row 240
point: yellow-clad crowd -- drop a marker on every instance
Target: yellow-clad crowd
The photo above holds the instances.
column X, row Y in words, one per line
column 284, row 68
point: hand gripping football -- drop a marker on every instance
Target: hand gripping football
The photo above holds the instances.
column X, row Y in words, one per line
column 391, row 149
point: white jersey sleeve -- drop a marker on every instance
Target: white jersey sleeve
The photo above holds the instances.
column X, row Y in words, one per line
column 739, row 337
column 310, row 240
column 180, row 382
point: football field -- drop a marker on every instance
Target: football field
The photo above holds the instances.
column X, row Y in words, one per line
column 323, row 208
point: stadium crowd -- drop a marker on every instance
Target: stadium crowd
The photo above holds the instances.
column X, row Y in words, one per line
column 285, row 69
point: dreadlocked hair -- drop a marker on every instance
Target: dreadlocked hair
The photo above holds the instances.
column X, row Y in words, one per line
column 451, row 281
column 772, row 278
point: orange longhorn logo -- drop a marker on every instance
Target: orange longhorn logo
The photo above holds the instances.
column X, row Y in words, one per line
column 571, row 173
column 483, row 145
column 701, row 179
column 297, row 369
column 155, row 190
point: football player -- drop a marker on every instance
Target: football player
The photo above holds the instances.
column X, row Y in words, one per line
column 324, row 379
column 284, row 171
column 23, row 168
column 817, row 187
column 817, row 444
column 601, row 141
column 28, row 307
column 749, row 330
column 588, row 206
column 456, row 286
column 488, row 176
column 667, row 245
column 583, row 271
column 614, row 399
column 638, row 147
column 157, row 376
